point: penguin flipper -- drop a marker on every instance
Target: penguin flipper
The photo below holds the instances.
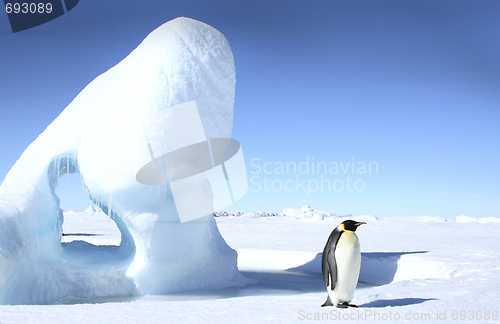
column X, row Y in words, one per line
column 328, row 264
column 328, row 302
column 333, row 269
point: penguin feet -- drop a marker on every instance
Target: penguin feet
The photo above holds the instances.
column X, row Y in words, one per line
column 327, row 303
column 346, row 304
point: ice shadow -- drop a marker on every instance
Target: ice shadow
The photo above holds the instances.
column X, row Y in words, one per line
column 287, row 280
column 377, row 268
column 265, row 283
column 381, row 303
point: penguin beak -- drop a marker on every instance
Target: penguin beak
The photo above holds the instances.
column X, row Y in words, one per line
column 360, row 223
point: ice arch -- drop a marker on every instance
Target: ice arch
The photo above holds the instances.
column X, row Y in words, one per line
column 100, row 135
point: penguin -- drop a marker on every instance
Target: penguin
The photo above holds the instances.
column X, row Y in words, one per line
column 340, row 264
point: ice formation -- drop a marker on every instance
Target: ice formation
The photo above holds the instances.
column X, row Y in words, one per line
column 100, row 135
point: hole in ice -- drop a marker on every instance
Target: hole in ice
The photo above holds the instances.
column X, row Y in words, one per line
column 92, row 226
column 71, row 192
column 81, row 221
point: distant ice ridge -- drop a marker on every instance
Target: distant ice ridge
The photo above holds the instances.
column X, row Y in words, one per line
column 468, row 219
column 92, row 209
column 305, row 213
column 100, row 135
column 308, row 214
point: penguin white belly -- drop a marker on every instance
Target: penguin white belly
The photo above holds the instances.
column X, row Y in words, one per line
column 348, row 259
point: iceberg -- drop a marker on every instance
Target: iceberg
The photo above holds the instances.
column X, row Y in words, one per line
column 101, row 135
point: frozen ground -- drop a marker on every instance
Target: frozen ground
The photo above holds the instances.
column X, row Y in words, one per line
column 419, row 269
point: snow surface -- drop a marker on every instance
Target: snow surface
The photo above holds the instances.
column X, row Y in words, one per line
column 101, row 135
column 429, row 271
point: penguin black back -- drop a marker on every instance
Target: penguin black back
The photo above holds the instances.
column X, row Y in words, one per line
column 328, row 264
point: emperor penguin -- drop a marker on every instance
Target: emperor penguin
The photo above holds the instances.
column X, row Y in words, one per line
column 341, row 263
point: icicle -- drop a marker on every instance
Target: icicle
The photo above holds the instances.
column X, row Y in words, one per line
column 84, row 191
column 110, row 208
column 59, row 168
column 56, row 170
column 67, row 168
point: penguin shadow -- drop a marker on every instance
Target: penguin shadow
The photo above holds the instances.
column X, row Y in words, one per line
column 381, row 303
column 377, row 268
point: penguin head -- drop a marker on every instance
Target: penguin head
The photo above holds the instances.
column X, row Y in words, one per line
column 350, row 225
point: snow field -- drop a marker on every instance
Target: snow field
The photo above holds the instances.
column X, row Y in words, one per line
column 430, row 272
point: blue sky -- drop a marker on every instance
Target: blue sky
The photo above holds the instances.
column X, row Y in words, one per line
column 412, row 86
